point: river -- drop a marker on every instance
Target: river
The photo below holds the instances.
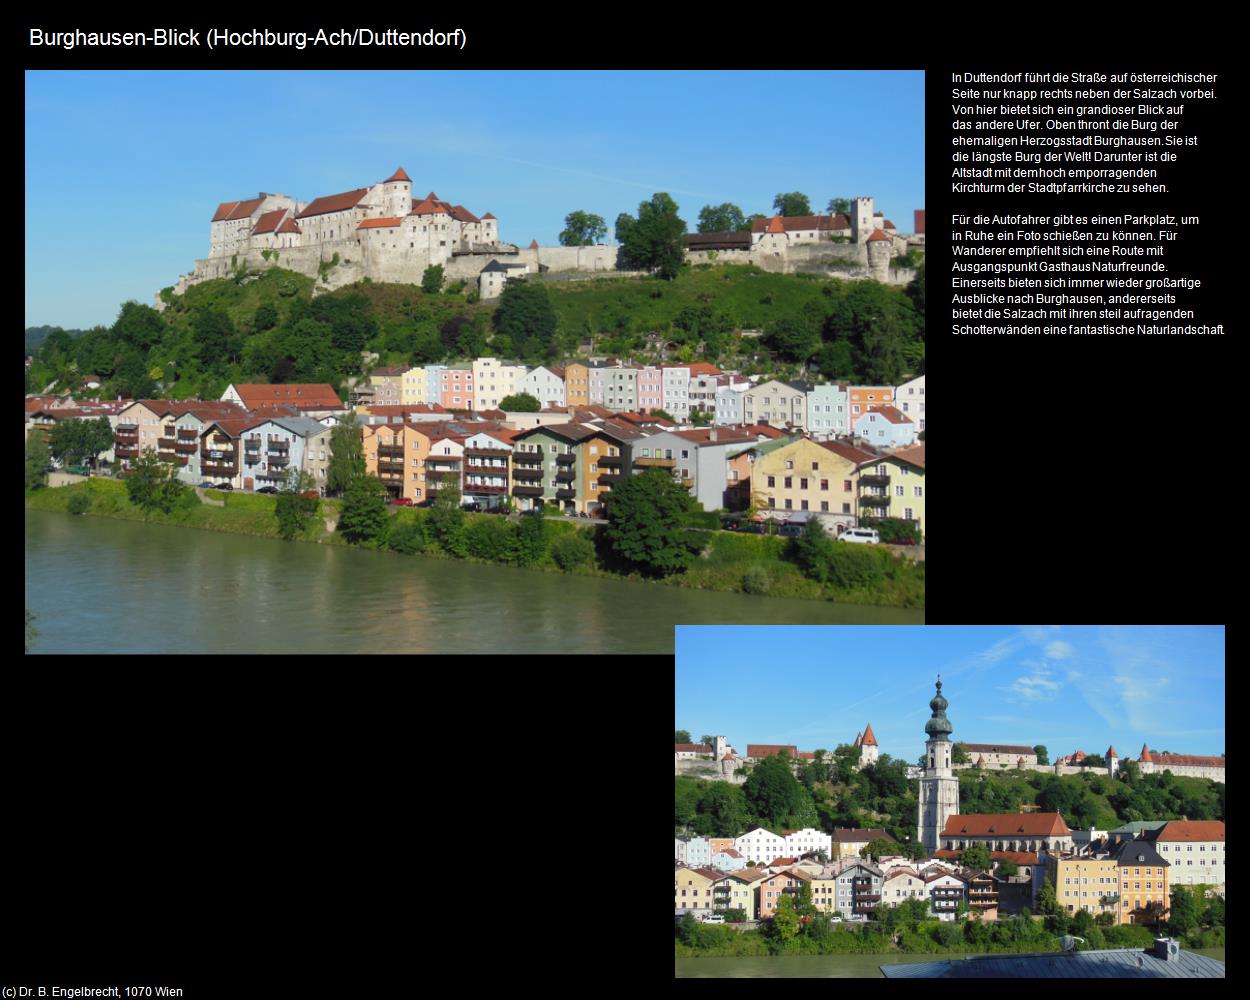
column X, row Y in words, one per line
column 818, row 966
column 100, row 585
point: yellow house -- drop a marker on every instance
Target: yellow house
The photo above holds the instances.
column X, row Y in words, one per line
column 576, row 384
column 734, row 893
column 1090, row 884
column 1144, row 893
column 413, row 387
column 893, row 485
column 692, row 888
column 797, row 475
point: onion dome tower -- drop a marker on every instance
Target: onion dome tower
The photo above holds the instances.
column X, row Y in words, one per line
column 939, row 788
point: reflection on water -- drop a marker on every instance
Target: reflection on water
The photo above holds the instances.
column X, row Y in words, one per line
column 100, row 585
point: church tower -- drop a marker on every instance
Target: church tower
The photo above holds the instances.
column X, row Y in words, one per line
column 939, row 788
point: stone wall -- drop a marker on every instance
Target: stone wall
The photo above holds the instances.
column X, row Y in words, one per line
column 707, row 769
column 596, row 258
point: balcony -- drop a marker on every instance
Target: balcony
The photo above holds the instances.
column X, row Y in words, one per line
column 688, row 483
column 391, row 450
column 282, row 459
column 121, row 452
column 528, row 474
column 251, row 443
column 520, row 490
column 490, row 470
column 482, row 488
column 872, row 500
column 609, row 480
column 528, row 457
column 130, row 429
column 278, row 447
column 387, row 464
column 187, row 447
column 566, row 476
column 881, row 482
column 662, row 463
column 566, row 494
column 612, row 461
column 223, row 467
column 443, row 464
column 565, row 459
column 487, row 452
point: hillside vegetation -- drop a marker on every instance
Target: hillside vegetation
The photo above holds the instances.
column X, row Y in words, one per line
column 268, row 327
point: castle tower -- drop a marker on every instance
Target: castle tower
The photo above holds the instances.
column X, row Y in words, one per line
column 861, row 220
column 939, row 789
column 880, row 250
column 1113, row 762
column 397, row 195
column 718, row 747
column 868, row 747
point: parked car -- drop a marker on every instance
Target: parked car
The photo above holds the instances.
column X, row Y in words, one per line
column 268, row 489
column 206, row 485
column 711, row 918
column 400, row 501
column 863, row 536
column 223, row 486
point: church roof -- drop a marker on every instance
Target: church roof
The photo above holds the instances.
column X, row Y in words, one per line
column 869, row 739
column 1006, row 825
column 1111, row 752
column 333, row 203
column 398, row 175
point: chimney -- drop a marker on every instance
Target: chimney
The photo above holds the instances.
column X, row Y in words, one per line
column 1166, row 949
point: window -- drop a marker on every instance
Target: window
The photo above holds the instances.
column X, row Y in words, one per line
column 898, row 491
column 917, row 491
column 824, row 506
column 846, row 508
column 846, row 486
column 802, row 484
column 789, row 504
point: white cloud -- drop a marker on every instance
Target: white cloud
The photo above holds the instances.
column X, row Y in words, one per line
column 1058, row 650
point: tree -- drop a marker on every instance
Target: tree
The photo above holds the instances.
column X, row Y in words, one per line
column 293, row 510
column 1130, row 772
column 531, row 544
column 707, row 741
column 214, row 335
column 37, row 458
column 655, row 240
column 1094, row 760
column 266, row 317
column 726, row 218
column 582, row 229
column 363, row 518
column 447, row 516
column 350, row 322
column 646, row 523
column 1184, row 915
column 1046, row 902
column 1043, row 755
column 525, row 315
column 959, row 754
column 153, row 484
column 840, row 206
column 879, row 323
column 878, row 848
column 805, row 907
column 78, row 503
column 1006, row 869
column 682, row 736
column 775, row 796
column 347, row 456
column 432, row 279
column 139, row 326
column 32, row 633
column 794, row 338
column 520, row 402
column 74, row 441
column 785, row 919
column 976, row 857
column 792, row 203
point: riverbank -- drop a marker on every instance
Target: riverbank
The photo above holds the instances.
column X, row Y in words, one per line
column 729, row 562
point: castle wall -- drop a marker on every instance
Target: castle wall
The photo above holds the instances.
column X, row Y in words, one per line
column 595, row 258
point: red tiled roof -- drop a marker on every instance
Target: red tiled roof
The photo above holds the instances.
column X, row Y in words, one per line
column 223, row 211
column 691, row 748
column 1193, row 829
column 803, row 222
column 488, row 216
column 877, row 235
column 398, row 175
column 891, row 414
column 1186, row 760
column 244, row 209
column 462, row 214
column 889, row 224
column 869, row 739
column 914, row 455
column 919, row 215
column 234, row 426
column 1111, row 752
column 533, row 245
column 775, row 225
column 770, row 750
column 703, row 435
column 429, row 207
column 765, row 430
column 268, row 222
column 1042, row 824
column 996, row 748
column 308, row 396
column 848, row 451
column 1145, row 754
column 856, row 836
column 290, row 226
column 807, row 755
column 333, row 203
column 383, row 223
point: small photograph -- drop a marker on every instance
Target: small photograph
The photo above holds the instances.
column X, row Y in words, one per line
column 949, row 802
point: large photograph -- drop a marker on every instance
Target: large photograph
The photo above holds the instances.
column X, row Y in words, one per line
column 470, row 362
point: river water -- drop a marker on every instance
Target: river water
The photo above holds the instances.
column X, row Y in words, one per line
column 100, row 585
column 818, row 966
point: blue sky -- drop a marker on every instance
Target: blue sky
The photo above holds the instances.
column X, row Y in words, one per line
column 125, row 169
column 1068, row 687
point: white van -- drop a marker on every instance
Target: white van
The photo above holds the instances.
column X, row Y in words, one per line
column 712, row 918
column 867, row 536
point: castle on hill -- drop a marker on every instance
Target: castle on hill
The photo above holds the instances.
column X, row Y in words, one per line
column 382, row 233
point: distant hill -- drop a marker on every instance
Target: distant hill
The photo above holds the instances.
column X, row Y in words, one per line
column 36, row 335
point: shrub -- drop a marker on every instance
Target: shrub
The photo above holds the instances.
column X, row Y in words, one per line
column 408, row 536
column 572, row 550
column 492, row 538
column 78, row 503
column 756, row 580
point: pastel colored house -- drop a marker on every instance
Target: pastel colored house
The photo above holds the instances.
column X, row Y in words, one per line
column 1193, row 849
column 1144, row 894
column 902, row 884
column 802, row 475
column 909, row 397
column 884, row 427
column 828, row 409
column 692, row 888
column 699, row 459
column 893, row 485
column 778, row 404
column 860, row 398
column 734, row 893
column 774, row 887
column 650, row 383
column 807, row 840
column 728, row 401
column 945, row 892
column 456, row 387
column 571, row 465
column 1089, row 884
column 273, row 447
column 487, row 467
column 728, row 860
column 576, row 384
column 544, row 384
column 698, row 851
column 493, row 381
column 414, row 386
column 848, row 843
column 396, row 454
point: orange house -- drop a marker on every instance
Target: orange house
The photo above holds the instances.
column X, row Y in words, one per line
column 576, row 385
column 861, row 398
column 396, row 454
column 774, row 887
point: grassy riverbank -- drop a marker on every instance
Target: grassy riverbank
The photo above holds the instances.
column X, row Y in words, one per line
column 1009, row 934
column 728, row 561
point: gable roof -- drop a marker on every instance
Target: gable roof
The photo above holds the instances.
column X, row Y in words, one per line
column 232, row 211
column 877, row 235
column 290, row 226
column 691, row 748
column 853, row 454
column 333, row 203
column 996, row 748
column 800, row 222
column 889, row 413
column 1128, row 852
column 462, row 214
column 1191, row 830
column 854, row 836
column 383, row 223
column 914, row 455
column 429, row 206
column 268, row 222
column 308, row 396
column 770, row 750
column 1042, row 824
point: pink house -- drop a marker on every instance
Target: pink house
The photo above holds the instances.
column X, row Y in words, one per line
column 774, row 887
column 456, row 388
column 650, row 388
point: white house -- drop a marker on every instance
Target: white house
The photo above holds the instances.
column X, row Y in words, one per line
column 803, row 841
column 544, row 384
column 909, row 397
column 760, row 845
